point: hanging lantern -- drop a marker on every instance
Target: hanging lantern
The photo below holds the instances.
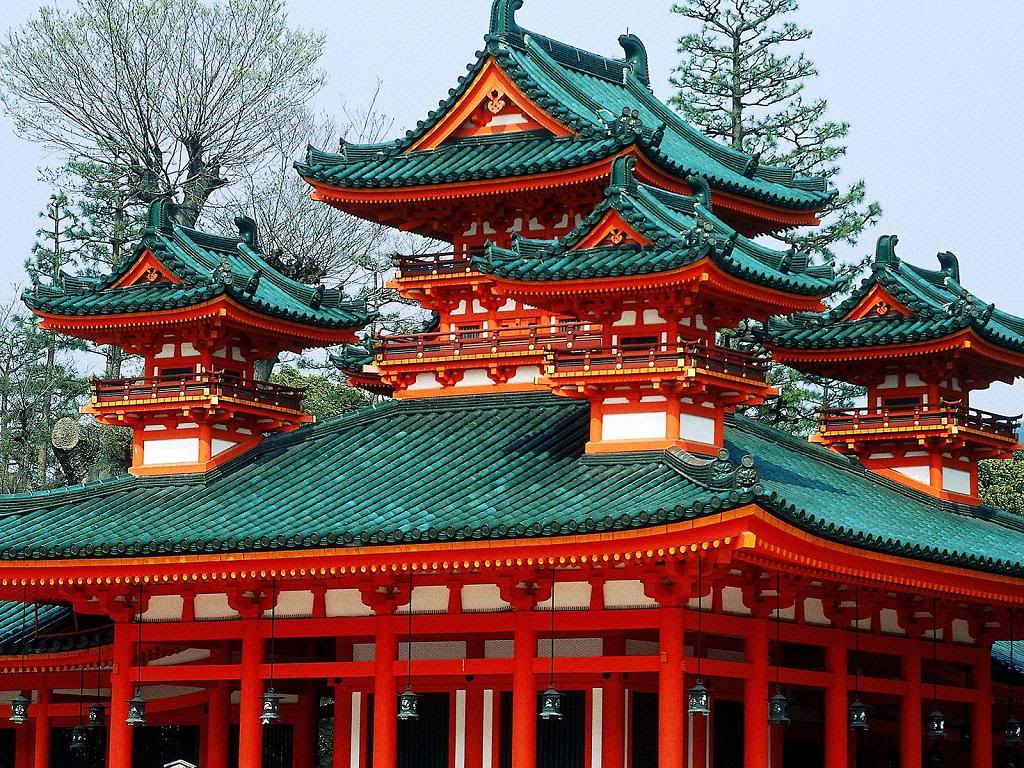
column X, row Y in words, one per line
column 271, row 708
column 19, row 710
column 936, row 725
column 551, row 705
column 79, row 740
column 858, row 716
column 97, row 716
column 408, row 704
column 698, row 699
column 778, row 709
column 1012, row 735
column 137, row 709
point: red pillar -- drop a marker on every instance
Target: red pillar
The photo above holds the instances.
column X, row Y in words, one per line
column 756, row 743
column 250, row 732
column 910, row 707
column 304, row 732
column 981, row 712
column 342, row 745
column 41, row 750
column 23, row 747
column 524, row 692
column 120, row 735
column 837, row 702
column 671, row 696
column 385, row 695
column 474, row 725
column 218, row 726
column 613, row 711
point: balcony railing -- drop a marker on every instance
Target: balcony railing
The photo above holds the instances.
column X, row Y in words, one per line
column 745, row 365
column 426, row 264
column 953, row 414
column 206, row 384
column 488, row 341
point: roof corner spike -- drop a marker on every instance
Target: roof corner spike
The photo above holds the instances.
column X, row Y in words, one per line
column 161, row 215
column 750, row 169
column 622, row 173
column 885, row 253
column 636, row 57
column 699, row 189
column 249, row 231
column 503, row 18
column 950, row 265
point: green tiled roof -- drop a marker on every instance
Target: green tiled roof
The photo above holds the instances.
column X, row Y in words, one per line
column 209, row 266
column 48, row 628
column 682, row 230
column 491, row 467
column 607, row 102
column 939, row 304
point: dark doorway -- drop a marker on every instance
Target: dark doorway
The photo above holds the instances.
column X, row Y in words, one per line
column 423, row 743
column 7, row 738
column 727, row 735
column 61, row 755
column 155, row 747
column 645, row 730
column 277, row 747
column 560, row 743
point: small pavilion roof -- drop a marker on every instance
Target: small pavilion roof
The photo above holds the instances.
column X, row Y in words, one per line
column 48, row 628
column 204, row 267
column 929, row 305
column 491, row 467
column 681, row 230
column 606, row 103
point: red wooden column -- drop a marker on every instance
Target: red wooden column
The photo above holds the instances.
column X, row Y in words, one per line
column 756, row 742
column 981, row 712
column 218, row 726
column 250, row 732
column 23, row 747
column 837, row 697
column 911, row 717
column 524, row 690
column 342, row 751
column 304, row 731
column 613, row 710
column 120, row 735
column 41, row 749
column 671, row 696
column 385, row 694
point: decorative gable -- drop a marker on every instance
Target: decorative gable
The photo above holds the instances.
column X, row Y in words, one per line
column 493, row 104
column 611, row 230
column 878, row 303
column 146, row 270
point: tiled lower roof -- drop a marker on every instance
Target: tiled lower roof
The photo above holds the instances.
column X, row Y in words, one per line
column 48, row 628
column 489, row 467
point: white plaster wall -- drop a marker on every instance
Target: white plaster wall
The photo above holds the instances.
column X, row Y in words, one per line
column 626, row 594
column 346, row 602
column 181, row 450
column 214, row 606
column 699, row 429
column 956, row 480
column 634, row 426
column 482, row 598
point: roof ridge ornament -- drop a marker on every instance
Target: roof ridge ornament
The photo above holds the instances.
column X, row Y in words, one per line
column 636, row 57
column 628, row 126
column 622, row 178
column 503, row 19
column 752, row 166
column 950, row 265
column 700, row 190
column 161, row 215
column 249, row 231
column 885, row 253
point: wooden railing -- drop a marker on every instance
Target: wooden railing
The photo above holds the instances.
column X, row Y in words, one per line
column 689, row 354
column 209, row 383
column 920, row 415
column 489, row 341
column 423, row 264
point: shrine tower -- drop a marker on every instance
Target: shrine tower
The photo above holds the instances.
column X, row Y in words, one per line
column 920, row 343
column 200, row 310
column 523, row 147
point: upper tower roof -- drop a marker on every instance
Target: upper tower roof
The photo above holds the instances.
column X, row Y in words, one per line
column 900, row 306
column 640, row 235
column 179, row 270
column 531, row 105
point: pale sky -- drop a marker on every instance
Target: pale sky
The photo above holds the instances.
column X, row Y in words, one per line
column 934, row 91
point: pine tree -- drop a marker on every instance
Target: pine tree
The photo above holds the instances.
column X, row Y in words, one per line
column 739, row 83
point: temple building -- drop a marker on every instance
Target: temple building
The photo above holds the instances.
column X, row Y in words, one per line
column 552, row 538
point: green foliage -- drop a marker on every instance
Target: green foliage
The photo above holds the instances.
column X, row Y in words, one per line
column 1002, row 483
column 327, row 395
column 739, row 83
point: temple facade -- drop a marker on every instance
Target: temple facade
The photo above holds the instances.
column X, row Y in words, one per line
column 552, row 539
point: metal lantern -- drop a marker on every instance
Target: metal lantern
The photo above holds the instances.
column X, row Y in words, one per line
column 858, row 716
column 551, row 705
column 79, row 740
column 408, row 705
column 19, row 710
column 137, row 709
column 698, row 699
column 936, row 725
column 778, row 709
column 1012, row 735
column 97, row 716
column 271, row 708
